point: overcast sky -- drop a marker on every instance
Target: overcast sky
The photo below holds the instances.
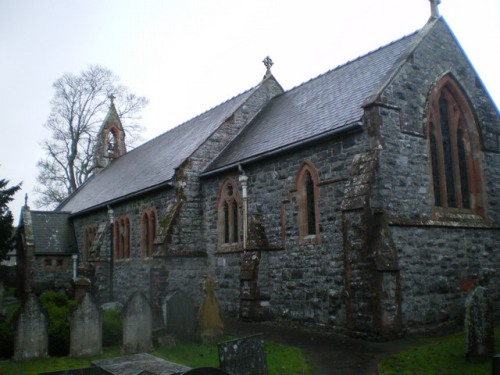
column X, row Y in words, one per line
column 187, row 56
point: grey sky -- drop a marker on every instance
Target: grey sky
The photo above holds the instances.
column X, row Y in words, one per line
column 187, row 56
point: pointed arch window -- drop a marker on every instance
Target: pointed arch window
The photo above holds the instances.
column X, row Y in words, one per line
column 229, row 216
column 121, row 238
column 307, row 180
column 89, row 236
column 149, row 227
column 454, row 149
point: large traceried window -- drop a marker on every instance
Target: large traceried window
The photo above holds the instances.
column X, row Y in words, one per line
column 148, row 226
column 229, row 217
column 454, row 148
column 308, row 198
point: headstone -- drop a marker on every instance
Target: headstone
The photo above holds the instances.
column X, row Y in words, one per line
column 210, row 325
column 137, row 325
column 85, row 328
column 478, row 326
column 180, row 316
column 81, row 286
column 245, row 356
column 2, row 293
column 31, row 339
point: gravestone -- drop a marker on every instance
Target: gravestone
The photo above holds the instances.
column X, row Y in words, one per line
column 81, row 286
column 2, row 293
column 210, row 325
column 245, row 356
column 137, row 325
column 85, row 328
column 31, row 339
column 179, row 315
column 479, row 337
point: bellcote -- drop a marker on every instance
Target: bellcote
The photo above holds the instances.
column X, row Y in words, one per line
column 110, row 141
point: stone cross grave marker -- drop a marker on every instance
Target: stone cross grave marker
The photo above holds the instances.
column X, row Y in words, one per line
column 2, row 293
column 210, row 325
column 179, row 315
column 31, row 338
column 85, row 328
column 137, row 325
column 245, row 356
column 478, row 326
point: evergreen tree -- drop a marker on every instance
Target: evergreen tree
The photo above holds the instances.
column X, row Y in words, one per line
column 6, row 219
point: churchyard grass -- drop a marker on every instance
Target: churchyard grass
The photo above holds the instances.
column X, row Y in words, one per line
column 441, row 355
column 281, row 359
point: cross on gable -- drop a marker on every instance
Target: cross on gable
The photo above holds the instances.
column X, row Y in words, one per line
column 112, row 98
column 268, row 63
column 434, row 8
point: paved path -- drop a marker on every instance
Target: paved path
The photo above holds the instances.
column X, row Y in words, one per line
column 326, row 353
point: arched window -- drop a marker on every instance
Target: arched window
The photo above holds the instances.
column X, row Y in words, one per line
column 308, row 198
column 121, row 237
column 89, row 236
column 454, row 149
column 228, row 223
column 148, row 225
column 112, row 142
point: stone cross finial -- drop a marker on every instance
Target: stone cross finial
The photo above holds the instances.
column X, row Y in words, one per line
column 268, row 63
column 434, row 8
column 112, row 98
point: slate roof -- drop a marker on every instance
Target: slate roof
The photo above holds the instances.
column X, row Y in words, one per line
column 322, row 106
column 152, row 164
column 318, row 107
column 52, row 232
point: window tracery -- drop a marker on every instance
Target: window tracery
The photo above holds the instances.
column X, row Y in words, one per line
column 454, row 148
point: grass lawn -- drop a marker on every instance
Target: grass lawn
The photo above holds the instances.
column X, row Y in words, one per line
column 281, row 359
column 442, row 355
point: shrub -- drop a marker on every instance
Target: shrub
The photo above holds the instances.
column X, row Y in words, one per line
column 6, row 339
column 58, row 306
column 112, row 328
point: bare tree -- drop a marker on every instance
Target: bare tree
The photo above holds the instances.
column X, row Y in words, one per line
column 79, row 106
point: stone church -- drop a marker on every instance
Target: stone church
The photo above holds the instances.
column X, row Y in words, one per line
column 365, row 199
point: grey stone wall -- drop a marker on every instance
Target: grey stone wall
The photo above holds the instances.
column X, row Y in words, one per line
column 304, row 280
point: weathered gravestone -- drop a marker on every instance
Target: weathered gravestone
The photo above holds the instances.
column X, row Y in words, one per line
column 245, row 356
column 179, row 315
column 85, row 328
column 479, row 337
column 2, row 293
column 137, row 325
column 31, row 339
column 210, row 325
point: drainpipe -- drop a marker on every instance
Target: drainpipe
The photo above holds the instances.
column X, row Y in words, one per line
column 244, row 184
column 111, row 260
column 74, row 257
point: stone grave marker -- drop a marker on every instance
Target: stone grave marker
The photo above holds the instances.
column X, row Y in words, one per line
column 245, row 356
column 179, row 315
column 31, row 338
column 137, row 325
column 479, row 337
column 2, row 293
column 85, row 328
column 210, row 325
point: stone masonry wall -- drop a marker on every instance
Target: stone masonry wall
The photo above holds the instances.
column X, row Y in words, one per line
column 304, row 280
column 438, row 262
